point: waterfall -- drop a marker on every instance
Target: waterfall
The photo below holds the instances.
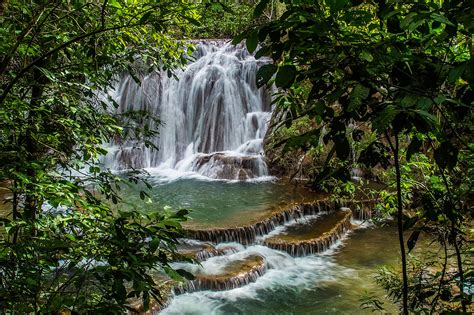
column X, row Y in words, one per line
column 214, row 117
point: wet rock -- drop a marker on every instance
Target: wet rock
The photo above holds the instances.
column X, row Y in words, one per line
column 202, row 251
column 247, row 234
column 224, row 166
column 314, row 236
column 235, row 275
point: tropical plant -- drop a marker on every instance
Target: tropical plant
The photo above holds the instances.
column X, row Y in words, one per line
column 399, row 69
column 67, row 243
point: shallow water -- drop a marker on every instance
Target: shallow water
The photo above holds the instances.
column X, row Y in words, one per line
column 220, row 203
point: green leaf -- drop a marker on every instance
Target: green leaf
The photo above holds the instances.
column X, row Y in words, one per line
column 181, row 213
column 185, row 274
column 154, row 243
column 264, row 51
column 252, row 42
column 237, row 39
column 383, row 119
column 285, row 76
column 456, row 72
column 412, row 240
column 192, row 20
column 115, row 3
column 358, row 94
column 441, row 18
column 408, row 100
column 367, row 56
column 413, row 147
column 173, row 274
column 265, row 73
column 260, row 7
column 428, row 118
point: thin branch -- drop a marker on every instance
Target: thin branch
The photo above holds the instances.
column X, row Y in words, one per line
column 53, row 51
column 102, row 13
column 26, row 31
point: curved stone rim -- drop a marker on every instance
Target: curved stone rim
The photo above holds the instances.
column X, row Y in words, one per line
column 316, row 245
column 222, row 282
column 247, row 234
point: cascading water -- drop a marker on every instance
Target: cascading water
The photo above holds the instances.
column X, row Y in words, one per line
column 214, row 117
column 214, row 121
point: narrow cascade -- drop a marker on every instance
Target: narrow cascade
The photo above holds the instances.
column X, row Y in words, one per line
column 234, row 274
column 203, row 251
column 361, row 209
column 259, row 255
column 214, row 117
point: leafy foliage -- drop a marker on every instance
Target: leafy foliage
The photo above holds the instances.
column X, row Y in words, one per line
column 396, row 69
column 65, row 244
column 85, row 260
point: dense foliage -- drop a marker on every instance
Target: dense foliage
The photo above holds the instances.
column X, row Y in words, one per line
column 224, row 19
column 58, row 59
column 395, row 79
column 363, row 84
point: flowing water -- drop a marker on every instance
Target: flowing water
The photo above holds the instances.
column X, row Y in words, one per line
column 210, row 159
column 214, row 117
column 329, row 283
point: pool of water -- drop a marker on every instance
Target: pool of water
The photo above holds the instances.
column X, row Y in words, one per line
column 219, row 203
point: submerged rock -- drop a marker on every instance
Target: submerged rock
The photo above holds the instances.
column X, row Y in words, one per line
column 224, row 166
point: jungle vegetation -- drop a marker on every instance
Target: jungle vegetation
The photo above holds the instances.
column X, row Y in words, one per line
column 391, row 78
column 394, row 80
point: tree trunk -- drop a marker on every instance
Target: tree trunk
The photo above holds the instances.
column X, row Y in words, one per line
column 400, row 227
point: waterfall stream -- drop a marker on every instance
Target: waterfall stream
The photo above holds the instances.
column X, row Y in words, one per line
column 214, row 117
column 262, row 245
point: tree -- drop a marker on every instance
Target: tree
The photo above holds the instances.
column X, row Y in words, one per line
column 58, row 59
column 401, row 70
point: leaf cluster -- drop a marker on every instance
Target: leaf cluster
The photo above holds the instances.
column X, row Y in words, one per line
column 66, row 245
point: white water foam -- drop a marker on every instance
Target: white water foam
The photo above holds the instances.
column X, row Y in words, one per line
column 284, row 273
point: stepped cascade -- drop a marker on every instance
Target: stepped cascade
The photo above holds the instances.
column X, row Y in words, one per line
column 214, row 122
column 214, row 116
column 238, row 257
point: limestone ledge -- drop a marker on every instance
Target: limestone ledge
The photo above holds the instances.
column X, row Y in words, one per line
column 315, row 245
column 235, row 275
column 247, row 234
